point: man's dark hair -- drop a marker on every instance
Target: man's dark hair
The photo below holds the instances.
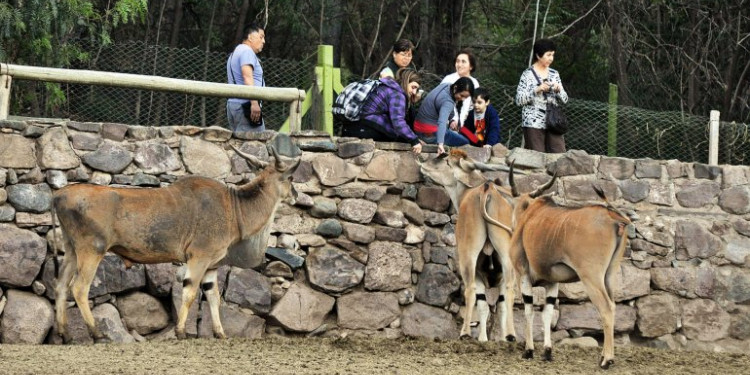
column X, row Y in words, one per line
column 250, row 28
column 481, row 92
column 403, row 45
column 472, row 59
column 463, row 84
column 541, row 47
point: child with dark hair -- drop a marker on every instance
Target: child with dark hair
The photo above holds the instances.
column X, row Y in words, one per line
column 482, row 125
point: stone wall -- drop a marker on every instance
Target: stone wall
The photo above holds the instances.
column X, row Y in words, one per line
column 369, row 248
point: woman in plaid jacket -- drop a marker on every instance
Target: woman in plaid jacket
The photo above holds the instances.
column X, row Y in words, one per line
column 383, row 117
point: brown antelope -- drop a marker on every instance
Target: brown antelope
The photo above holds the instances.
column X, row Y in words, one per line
column 194, row 221
column 482, row 230
column 553, row 244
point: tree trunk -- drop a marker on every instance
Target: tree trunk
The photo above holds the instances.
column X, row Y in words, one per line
column 331, row 27
column 619, row 74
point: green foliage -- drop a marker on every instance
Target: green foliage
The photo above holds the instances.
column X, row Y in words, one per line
column 58, row 33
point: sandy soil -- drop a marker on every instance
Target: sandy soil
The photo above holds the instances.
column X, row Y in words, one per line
column 347, row 356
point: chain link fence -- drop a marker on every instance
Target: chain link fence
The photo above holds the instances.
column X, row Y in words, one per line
column 641, row 133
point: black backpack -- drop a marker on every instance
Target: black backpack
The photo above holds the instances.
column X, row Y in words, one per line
column 348, row 104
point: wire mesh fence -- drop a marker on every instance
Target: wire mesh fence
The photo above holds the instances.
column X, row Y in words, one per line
column 640, row 133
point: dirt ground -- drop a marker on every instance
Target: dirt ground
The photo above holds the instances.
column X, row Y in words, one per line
column 348, row 356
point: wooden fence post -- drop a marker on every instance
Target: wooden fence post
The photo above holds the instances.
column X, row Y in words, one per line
column 325, row 62
column 612, row 121
column 713, row 138
column 4, row 96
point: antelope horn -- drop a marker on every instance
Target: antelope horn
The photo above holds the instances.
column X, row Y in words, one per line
column 511, row 182
column 544, row 187
column 251, row 158
column 280, row 166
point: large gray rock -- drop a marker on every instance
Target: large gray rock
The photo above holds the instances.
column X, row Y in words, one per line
column 204, row 158
column 680, row 281
column 7, row 213
column 156, row 158
column 85, row 141
column 359, row 233
column 54, row 151
column 696, row 194
column 113, row 131
column 382, row 167
column 113, row 277
column 26, row 318
column 142, row 312
column 658, row 314
column 420, row 320
column 302, row 309
column 573, row 162
column 585, row 316
column 17, row 151
column 388, row 267
column 635, row 191
column 351, row 149
column 661, row 194
column 692, row 240
column 361, row 310
column 110, row 323
column 735, row 200
column 704, row 320
column 433, row 198
column 647, row 168
column 30, row 198
column 249, row 289
column 412, row 211
column 633, row 283
column 436, row 284
column 22, row 253
column 619, row 168
column 357, row 210
column 236, row 321
column 109, row 158
column 323, row 207
column 159, row 278
column 333, row 171
column 333, row 270
column 734, row 283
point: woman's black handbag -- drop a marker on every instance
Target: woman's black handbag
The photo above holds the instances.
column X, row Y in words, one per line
column 555, row 120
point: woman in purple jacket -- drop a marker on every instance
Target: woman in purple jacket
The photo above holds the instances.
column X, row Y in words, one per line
column 383, row 116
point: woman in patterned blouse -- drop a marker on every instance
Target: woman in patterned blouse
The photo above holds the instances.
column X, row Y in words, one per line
column 539, row 84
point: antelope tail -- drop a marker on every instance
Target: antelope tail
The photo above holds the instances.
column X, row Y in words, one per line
column 485, row 201
column 53, row 213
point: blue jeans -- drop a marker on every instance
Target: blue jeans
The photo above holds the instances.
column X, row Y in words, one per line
column 452, row 138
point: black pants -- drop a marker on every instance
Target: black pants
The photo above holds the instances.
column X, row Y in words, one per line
column 543, row 141
column 368, row 129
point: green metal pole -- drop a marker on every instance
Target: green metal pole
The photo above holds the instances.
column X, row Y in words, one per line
column 612, row 121
column 325, row 62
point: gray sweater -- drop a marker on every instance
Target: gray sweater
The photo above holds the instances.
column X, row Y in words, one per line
column 436, row 109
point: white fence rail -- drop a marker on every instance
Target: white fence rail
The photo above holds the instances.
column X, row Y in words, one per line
column 155, row 83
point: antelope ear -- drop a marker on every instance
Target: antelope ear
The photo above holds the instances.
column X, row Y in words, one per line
column 466, row 165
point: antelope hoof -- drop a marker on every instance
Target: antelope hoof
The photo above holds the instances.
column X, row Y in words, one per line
column 605, row 364
column 465, row 337
column 180, row 334
column 220, row 335
column 547, row 356
column 510, row 338
column 528, row 354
